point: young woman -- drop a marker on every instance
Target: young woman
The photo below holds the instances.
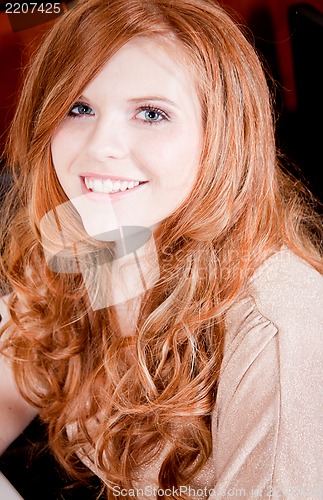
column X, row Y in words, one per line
column 145, row 173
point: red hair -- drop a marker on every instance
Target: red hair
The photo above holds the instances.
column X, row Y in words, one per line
column 71, row 361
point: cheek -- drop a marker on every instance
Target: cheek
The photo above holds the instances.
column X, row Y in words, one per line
column 172, row 157
column 63, row 149
column 56, row 155
column 182, row 168
column 57, row 147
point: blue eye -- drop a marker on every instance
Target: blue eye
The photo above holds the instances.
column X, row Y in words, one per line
column 151, row 115
column 80, row 109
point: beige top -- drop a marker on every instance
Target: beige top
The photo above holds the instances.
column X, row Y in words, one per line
column 267, row 424
column 268, row 419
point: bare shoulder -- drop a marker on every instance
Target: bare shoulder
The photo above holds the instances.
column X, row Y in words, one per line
column 15, row 412
column 4, row 309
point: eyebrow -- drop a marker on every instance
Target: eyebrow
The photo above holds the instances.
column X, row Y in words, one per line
column 138, row 100
column 83, row 98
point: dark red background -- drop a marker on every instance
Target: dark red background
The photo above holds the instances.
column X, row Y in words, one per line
column 266, row 19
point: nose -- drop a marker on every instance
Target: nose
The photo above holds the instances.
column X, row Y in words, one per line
column 108, row 139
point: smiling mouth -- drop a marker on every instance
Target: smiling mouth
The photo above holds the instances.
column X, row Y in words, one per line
column 108, row 186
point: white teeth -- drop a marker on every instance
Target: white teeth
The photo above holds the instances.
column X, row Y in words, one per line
column 108, row 186
column 88, row 183
column 116, row 186
column 98, row 186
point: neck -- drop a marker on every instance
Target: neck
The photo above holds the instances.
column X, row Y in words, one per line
column 133, row 271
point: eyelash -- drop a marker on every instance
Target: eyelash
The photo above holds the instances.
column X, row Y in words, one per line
column 158, row 111
column 148, row 107
column 78, row 115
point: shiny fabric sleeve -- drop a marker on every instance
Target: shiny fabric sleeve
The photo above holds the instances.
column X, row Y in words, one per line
column 268, row 420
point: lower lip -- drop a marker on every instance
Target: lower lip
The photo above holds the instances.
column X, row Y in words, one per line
column 101, row 197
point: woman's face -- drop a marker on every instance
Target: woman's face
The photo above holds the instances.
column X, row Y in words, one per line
column 132, row 141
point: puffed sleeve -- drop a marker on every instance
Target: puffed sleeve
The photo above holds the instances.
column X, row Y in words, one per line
column 268, row 419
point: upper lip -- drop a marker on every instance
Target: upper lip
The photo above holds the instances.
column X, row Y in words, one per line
column 111, row 177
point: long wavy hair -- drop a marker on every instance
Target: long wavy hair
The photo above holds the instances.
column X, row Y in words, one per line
column 72, row 362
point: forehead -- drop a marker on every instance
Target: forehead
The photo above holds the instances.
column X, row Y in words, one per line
column 145, row 66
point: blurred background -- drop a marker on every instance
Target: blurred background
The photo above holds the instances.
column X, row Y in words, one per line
column 289, row 38
column 288, row 35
